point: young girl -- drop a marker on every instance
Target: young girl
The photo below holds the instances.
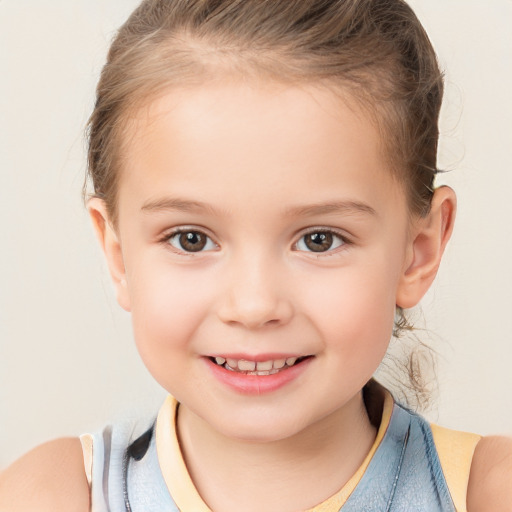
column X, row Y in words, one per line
column 263, row 192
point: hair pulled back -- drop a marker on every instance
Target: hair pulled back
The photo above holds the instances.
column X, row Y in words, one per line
column 376, row 51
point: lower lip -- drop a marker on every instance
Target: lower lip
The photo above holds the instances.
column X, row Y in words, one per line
column 257, row 384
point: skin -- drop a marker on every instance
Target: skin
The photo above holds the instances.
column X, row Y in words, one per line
column 255, row 169
column 49, row 478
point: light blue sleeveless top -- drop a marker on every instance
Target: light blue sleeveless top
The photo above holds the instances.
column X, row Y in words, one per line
column 404, row 474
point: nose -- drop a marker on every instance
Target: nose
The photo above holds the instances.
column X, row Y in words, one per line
column 256, row 294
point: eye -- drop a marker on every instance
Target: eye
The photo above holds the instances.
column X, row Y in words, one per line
column 191, row 241
column 320, row 241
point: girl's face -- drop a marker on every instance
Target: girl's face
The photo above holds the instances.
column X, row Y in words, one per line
column 258, row 225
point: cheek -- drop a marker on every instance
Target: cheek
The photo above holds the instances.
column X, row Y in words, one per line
column 355, row 312
column 168, row 306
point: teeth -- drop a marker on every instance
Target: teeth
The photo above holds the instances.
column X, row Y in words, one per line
column 256, row 368
column 264, row 366
column 233, row 363
column 246, row 366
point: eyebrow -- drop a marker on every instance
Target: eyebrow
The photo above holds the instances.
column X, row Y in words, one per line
column 343, row 207
column 177, row 204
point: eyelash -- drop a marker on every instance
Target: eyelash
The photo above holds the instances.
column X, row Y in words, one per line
column 329, row 233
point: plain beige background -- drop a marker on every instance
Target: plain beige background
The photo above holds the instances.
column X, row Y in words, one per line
column 67, row 360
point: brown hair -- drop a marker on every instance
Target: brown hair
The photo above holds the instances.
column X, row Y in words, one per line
column 376, row 50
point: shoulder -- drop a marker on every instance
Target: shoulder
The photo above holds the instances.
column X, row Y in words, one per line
column 49, row 478
column 490, row 480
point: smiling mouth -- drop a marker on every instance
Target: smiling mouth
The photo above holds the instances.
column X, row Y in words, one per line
column 270, row 367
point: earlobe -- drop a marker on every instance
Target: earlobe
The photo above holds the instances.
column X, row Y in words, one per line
column 111, row 247
column 428, row 242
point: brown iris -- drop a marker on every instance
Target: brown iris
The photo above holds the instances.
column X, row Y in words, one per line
column 192, row 241
column 318, row 242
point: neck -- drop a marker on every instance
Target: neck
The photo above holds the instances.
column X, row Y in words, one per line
column 278, row 473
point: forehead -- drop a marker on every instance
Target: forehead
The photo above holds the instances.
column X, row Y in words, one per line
column 253, row 140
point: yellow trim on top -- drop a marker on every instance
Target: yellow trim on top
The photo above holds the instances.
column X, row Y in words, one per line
column 182, row 488
column 86, row 441
column 174, row 471
column 455, row 450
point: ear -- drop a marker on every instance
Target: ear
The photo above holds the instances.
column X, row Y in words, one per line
column 111, row 247
column 429, row 237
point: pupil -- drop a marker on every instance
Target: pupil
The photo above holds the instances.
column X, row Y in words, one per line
column 319, row 242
